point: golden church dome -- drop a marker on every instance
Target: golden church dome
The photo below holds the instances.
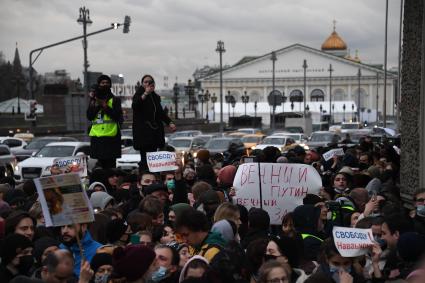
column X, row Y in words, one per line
column 334, row 42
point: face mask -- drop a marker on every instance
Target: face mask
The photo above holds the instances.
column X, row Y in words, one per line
column 25, row 264
column 159, row 274
column 363, row 166
column 382, row 243
column 171, row 184
column 420, row 210
column 334, row 269
column 269, row 257
column 101, row 278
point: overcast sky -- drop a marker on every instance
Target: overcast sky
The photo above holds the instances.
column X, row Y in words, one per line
column 174, row 37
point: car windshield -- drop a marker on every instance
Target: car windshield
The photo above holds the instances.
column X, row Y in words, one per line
column 321, row 137
column 251, row 139
column 217, row 144
column 181, row 143
column 56, row 151
column 274, row 140
column 295, row 137
column 37, row 144
column 349, row 126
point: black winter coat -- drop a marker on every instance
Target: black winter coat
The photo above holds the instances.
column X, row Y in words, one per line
column 148, row 119
column 106, row 147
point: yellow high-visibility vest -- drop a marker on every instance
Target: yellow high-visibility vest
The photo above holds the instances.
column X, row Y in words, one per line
column 305, row 235
column 104, row 126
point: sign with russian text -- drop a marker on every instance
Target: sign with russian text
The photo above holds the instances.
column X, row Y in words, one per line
column 352, row 242
column 72, row 164
column 333, row 152
column 160, row 161
column 63, row 200
column 283, row 187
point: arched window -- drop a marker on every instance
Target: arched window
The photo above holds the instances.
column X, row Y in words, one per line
column 364, row 97
column 254, row 95
column 317, row 95
column 236, row 94
column 339, row 95
column 296, row 96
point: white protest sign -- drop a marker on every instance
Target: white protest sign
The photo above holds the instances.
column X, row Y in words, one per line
column 160, row 161
column 333, row 152
column 283, row 187
column 75, row 164
column 63, row 200
column 352, row 242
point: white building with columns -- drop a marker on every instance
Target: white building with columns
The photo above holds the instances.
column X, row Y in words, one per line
column 253, row 76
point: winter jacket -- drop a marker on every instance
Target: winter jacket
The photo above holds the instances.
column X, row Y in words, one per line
column 89, row 248
column 210, row 247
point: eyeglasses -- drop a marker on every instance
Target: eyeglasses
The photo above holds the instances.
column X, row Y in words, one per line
column 278, row 280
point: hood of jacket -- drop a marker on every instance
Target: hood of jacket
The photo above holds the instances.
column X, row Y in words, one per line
column 306, row 218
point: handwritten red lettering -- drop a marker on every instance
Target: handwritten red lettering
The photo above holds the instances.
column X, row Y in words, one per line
column 275, row 174
column 302, row 175
column 244, row 175
column 251, row 173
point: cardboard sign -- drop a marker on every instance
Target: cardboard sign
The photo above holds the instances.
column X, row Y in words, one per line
column 283, row 187
column 333, row 152
column 63, row 200
column 352, row 242
column 160, row 161
column 74, row 164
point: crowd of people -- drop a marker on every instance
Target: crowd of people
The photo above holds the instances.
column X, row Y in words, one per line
column 184, row 226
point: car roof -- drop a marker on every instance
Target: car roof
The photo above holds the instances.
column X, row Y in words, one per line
column 254, row 135
column 183, row 138
column 53, row 138
column 69, row 143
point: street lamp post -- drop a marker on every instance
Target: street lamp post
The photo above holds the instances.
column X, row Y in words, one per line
column 359, row 74
column 85, row 20
column 207, row 97
column 233, row 102
column 228, row 98
column 255, row 109
column 213, row 100
column 377, row 96
column 330, row 93
column 352, row 112
column 220, row 49
column 305, row 85
column 321, row 109
column 273, row 58
column 245, row 100
column 201, row 98
column 343, row 109
column 176, row 97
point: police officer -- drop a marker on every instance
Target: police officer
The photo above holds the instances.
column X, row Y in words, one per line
column 105, row 114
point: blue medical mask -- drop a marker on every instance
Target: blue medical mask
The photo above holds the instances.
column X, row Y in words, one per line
column 171, row 185
column 334, row 272
column 420, row 210
column 159, row 274
column 101, row 278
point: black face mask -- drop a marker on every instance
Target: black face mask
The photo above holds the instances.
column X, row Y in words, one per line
column 363, row 166
column 25, row 264
column 269, row 257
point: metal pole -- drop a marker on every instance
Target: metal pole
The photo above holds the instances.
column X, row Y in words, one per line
column 86, row 63
column 305, row 86
column 330, row 93
column 385, row 64
column 377, row 97
column 358, row 95
column 399, row 64
column 273, row 88
column 220, row 49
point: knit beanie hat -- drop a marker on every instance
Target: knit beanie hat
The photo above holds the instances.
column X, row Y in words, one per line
column 100, row 199
column 227, row 174
column 258, row 218
column 10, row 245
column 95, row 184
column 203, row 155
column 115, row 229
column 41, row 245
column 210, row 197
column 411, row 246
column 312, row 199
column 133, row 261
column 100, row 259
column 104, row 77
column 156, row 187
column 178, row 208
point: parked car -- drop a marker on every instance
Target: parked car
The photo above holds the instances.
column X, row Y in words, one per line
column 188, row 147
column 40, row 163
column 25, row 136
column 36, row 144
column 224, row 145
column 249, row 131
column 126, row 141
column 251, row 141
column 7, row 160
column 178, row 134
column 322, row 138
column 129, row 160
column 277, row 141
column 13, row 143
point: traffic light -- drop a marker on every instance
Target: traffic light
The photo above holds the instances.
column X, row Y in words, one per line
column 127, row 22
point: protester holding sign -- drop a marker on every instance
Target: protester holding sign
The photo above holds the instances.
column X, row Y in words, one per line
column 148, row 119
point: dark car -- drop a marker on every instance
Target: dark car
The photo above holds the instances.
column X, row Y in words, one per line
column 231, row 148
column 36, row 144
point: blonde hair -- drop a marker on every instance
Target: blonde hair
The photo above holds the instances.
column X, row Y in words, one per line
column 227, row 211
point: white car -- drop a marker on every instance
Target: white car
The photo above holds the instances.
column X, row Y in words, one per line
column 129, row 160
column 13, row 143
column 40, row 163
column 275, row 140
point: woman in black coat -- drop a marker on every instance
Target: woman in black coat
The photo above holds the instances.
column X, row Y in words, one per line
column 148, row 119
